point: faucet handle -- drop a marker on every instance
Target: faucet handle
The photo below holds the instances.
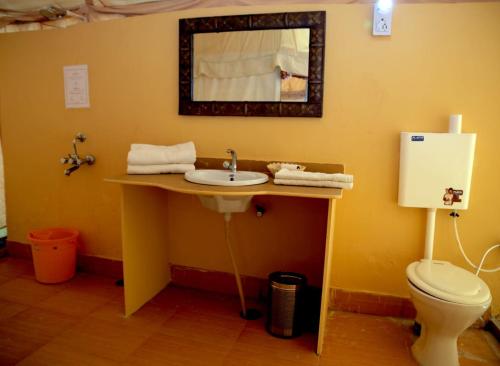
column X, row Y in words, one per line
column 234, row 156
column 90, row 159
column 80, row 137
column 226, row 164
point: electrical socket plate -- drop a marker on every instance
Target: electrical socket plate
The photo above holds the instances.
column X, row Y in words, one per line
column 382, row 21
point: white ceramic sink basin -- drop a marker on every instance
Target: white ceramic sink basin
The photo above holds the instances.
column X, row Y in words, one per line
column 226, row 204
column 225, row 177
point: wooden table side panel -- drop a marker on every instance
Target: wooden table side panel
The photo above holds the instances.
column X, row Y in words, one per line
column 145, row 244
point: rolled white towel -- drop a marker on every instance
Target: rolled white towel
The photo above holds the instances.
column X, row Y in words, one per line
column 299, row 175
column 159, row 168
column 144, row 154
column 290, row 166
column 314, row 183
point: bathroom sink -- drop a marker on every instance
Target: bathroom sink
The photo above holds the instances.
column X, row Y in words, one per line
column 225, row 177
column 214, row 177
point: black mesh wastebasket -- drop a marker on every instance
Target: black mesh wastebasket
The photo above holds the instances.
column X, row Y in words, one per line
column 285, row 314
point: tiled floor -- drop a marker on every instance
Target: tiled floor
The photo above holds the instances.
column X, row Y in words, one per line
column 81, row 323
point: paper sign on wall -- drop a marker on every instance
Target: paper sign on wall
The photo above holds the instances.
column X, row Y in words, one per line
column 76, row 86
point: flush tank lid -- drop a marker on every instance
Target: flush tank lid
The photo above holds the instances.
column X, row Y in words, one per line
column 448, row 282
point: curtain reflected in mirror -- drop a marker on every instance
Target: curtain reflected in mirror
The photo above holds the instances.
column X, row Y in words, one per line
column 251, row 66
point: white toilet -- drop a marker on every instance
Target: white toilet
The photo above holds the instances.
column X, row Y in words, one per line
column 448, row 300
column 435, row 172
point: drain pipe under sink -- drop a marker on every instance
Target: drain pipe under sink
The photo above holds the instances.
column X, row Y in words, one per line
column 249, row 314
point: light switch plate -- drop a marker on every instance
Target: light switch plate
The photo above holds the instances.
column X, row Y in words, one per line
column 382, row 19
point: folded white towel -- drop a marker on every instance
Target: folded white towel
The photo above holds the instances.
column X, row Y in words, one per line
column 299, row 175
column 313, row 183
column 144, row 154
column 159, row 168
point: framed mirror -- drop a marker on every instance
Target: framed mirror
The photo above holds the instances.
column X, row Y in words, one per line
column 252, row 65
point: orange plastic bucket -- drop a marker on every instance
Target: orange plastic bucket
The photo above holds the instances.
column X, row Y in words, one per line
column 54, row 254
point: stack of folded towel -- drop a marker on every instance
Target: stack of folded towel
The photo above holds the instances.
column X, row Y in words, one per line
column 156, row 159
column 310, row 179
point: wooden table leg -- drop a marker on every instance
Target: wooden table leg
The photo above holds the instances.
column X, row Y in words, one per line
column 326, row 274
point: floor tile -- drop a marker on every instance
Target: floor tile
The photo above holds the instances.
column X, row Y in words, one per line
column 162, row 349
column 199, row 301
column 102, row 339
column 28, row 330
column 356, row 339
column 474, row 346
column 8, row 309
column 4, row 279
column 72, row 302
column 14, row 267
column 27, row 291
column 95, row 285
column 81, row 322
column 241, row 357
column 219, row 332
column 257, row 345
column 53, row 355
column 473, row 362
column 150, row 316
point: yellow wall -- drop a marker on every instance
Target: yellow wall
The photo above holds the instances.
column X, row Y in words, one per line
column 441, row 59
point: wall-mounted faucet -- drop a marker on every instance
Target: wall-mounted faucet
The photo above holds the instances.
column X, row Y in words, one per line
column 233, row 164
column 74, row 159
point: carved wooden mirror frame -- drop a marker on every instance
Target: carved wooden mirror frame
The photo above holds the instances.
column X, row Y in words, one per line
column 315, row 21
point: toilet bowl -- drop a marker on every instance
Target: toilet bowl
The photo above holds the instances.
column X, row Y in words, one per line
column 448, row 300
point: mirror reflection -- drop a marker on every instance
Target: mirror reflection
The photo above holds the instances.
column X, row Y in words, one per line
column 251, row 66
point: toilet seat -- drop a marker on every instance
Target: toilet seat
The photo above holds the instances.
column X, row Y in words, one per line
column 448, row 282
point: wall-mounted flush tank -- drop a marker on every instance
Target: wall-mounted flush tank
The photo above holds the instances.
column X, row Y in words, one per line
column 435, row 169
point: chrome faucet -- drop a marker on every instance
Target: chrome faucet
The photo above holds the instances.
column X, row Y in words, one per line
column 233, row 164
column 74, row 159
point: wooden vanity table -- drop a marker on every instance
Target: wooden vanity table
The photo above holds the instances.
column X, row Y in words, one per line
column 145, row 250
